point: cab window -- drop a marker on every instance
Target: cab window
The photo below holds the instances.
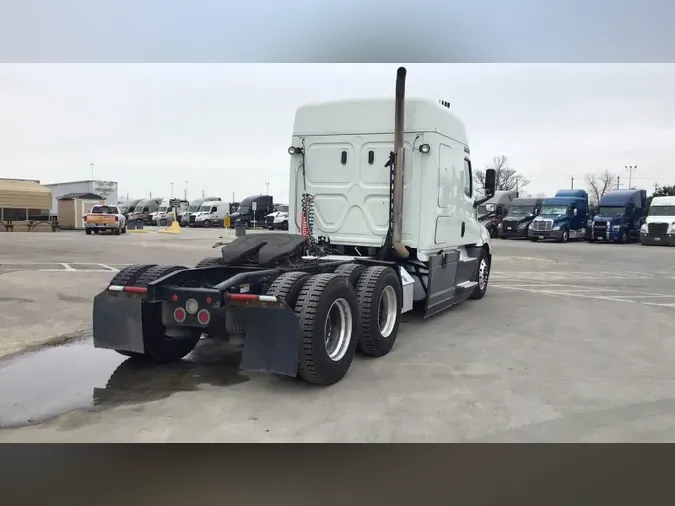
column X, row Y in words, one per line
column 468, row 178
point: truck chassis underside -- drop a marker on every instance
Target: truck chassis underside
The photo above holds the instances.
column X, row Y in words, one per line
column 295, row 315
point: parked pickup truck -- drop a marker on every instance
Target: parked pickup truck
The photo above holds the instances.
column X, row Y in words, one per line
column 106, row 218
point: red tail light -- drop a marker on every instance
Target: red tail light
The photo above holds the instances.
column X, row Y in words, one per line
column 204, row 317
column 85, row 219
column 179, row 315
column 117, row 218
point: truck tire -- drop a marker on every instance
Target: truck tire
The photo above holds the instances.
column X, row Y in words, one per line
column 534, row 239
column 207, row 223
column 87, row 231
column 117, row 231
column 351, row 271
column 284, row 225
column 156, row 272
column 379, row 297
column 129, row 274
column 565, row 235
column 162, row 222
column 288, row 286
column 124, row 229
column 158, row 346
column 127, row 277
column 482, row 276
column 210, row 262
column 328, row 313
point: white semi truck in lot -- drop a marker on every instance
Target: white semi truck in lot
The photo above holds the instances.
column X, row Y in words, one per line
column 382, row 222
column 659, row 226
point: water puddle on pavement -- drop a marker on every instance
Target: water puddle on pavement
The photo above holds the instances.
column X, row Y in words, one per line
column 37, row 386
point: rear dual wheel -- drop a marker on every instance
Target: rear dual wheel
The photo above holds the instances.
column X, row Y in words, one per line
column 327, row 308
column 158, row 346
column 355, row 305
column 379, row 296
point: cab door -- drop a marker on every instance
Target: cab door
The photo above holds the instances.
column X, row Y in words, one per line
column 470, row 226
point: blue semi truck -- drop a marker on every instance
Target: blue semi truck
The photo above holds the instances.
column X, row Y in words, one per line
column 561, row 218
column 620, row 216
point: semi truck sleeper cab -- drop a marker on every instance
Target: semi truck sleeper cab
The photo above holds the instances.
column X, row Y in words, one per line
column 369, row 239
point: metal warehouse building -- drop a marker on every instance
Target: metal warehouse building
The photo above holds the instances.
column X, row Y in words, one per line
column 106, row 189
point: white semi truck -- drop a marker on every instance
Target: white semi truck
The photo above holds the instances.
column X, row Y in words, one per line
column 659, row 226
column 382, row 222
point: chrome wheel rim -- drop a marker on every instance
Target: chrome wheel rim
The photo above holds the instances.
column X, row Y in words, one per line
column 338, row 330
column 386, row 311
column 483, row 273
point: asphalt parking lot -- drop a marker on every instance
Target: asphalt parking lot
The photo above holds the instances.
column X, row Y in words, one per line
column 573, row 342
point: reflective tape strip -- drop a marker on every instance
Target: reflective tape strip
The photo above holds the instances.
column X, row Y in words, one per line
column 128, row 289
column 267, row 298
column 251, row 297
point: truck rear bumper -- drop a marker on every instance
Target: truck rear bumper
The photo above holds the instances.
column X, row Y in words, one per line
column 272, row 331
column 657, row 240
column 102, row 226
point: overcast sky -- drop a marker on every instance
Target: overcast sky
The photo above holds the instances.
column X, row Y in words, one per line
column 226, row 128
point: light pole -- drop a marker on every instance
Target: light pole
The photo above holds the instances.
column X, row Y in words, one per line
column 268, row 188
column 171, row 190
column 186, row 183
column 630, row 169
column 92, row 171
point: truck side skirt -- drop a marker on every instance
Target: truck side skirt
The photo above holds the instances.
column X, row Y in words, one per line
column 451, row 278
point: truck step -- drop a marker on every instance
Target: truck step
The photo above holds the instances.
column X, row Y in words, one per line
column 467, row 285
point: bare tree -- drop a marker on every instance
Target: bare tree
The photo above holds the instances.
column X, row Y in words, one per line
column 506, row 177
column 541, row 195
column 599, row 184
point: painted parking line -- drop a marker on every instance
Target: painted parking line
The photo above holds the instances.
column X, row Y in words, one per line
column 70, row 267
column 577, row 275
column 590, row 292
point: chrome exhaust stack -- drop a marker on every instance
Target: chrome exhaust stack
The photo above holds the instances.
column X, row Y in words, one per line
column 399, row 166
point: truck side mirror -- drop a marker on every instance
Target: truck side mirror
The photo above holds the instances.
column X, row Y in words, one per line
column 490, row 182
column 574, row 211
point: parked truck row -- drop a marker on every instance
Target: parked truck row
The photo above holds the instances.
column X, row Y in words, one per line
column 621, row 217
column 257, row 211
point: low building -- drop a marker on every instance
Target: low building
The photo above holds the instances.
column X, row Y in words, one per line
column 24, row 200
column 106, row 189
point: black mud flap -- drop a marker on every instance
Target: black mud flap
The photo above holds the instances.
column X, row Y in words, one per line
column 272, row 341
column 118, row 322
